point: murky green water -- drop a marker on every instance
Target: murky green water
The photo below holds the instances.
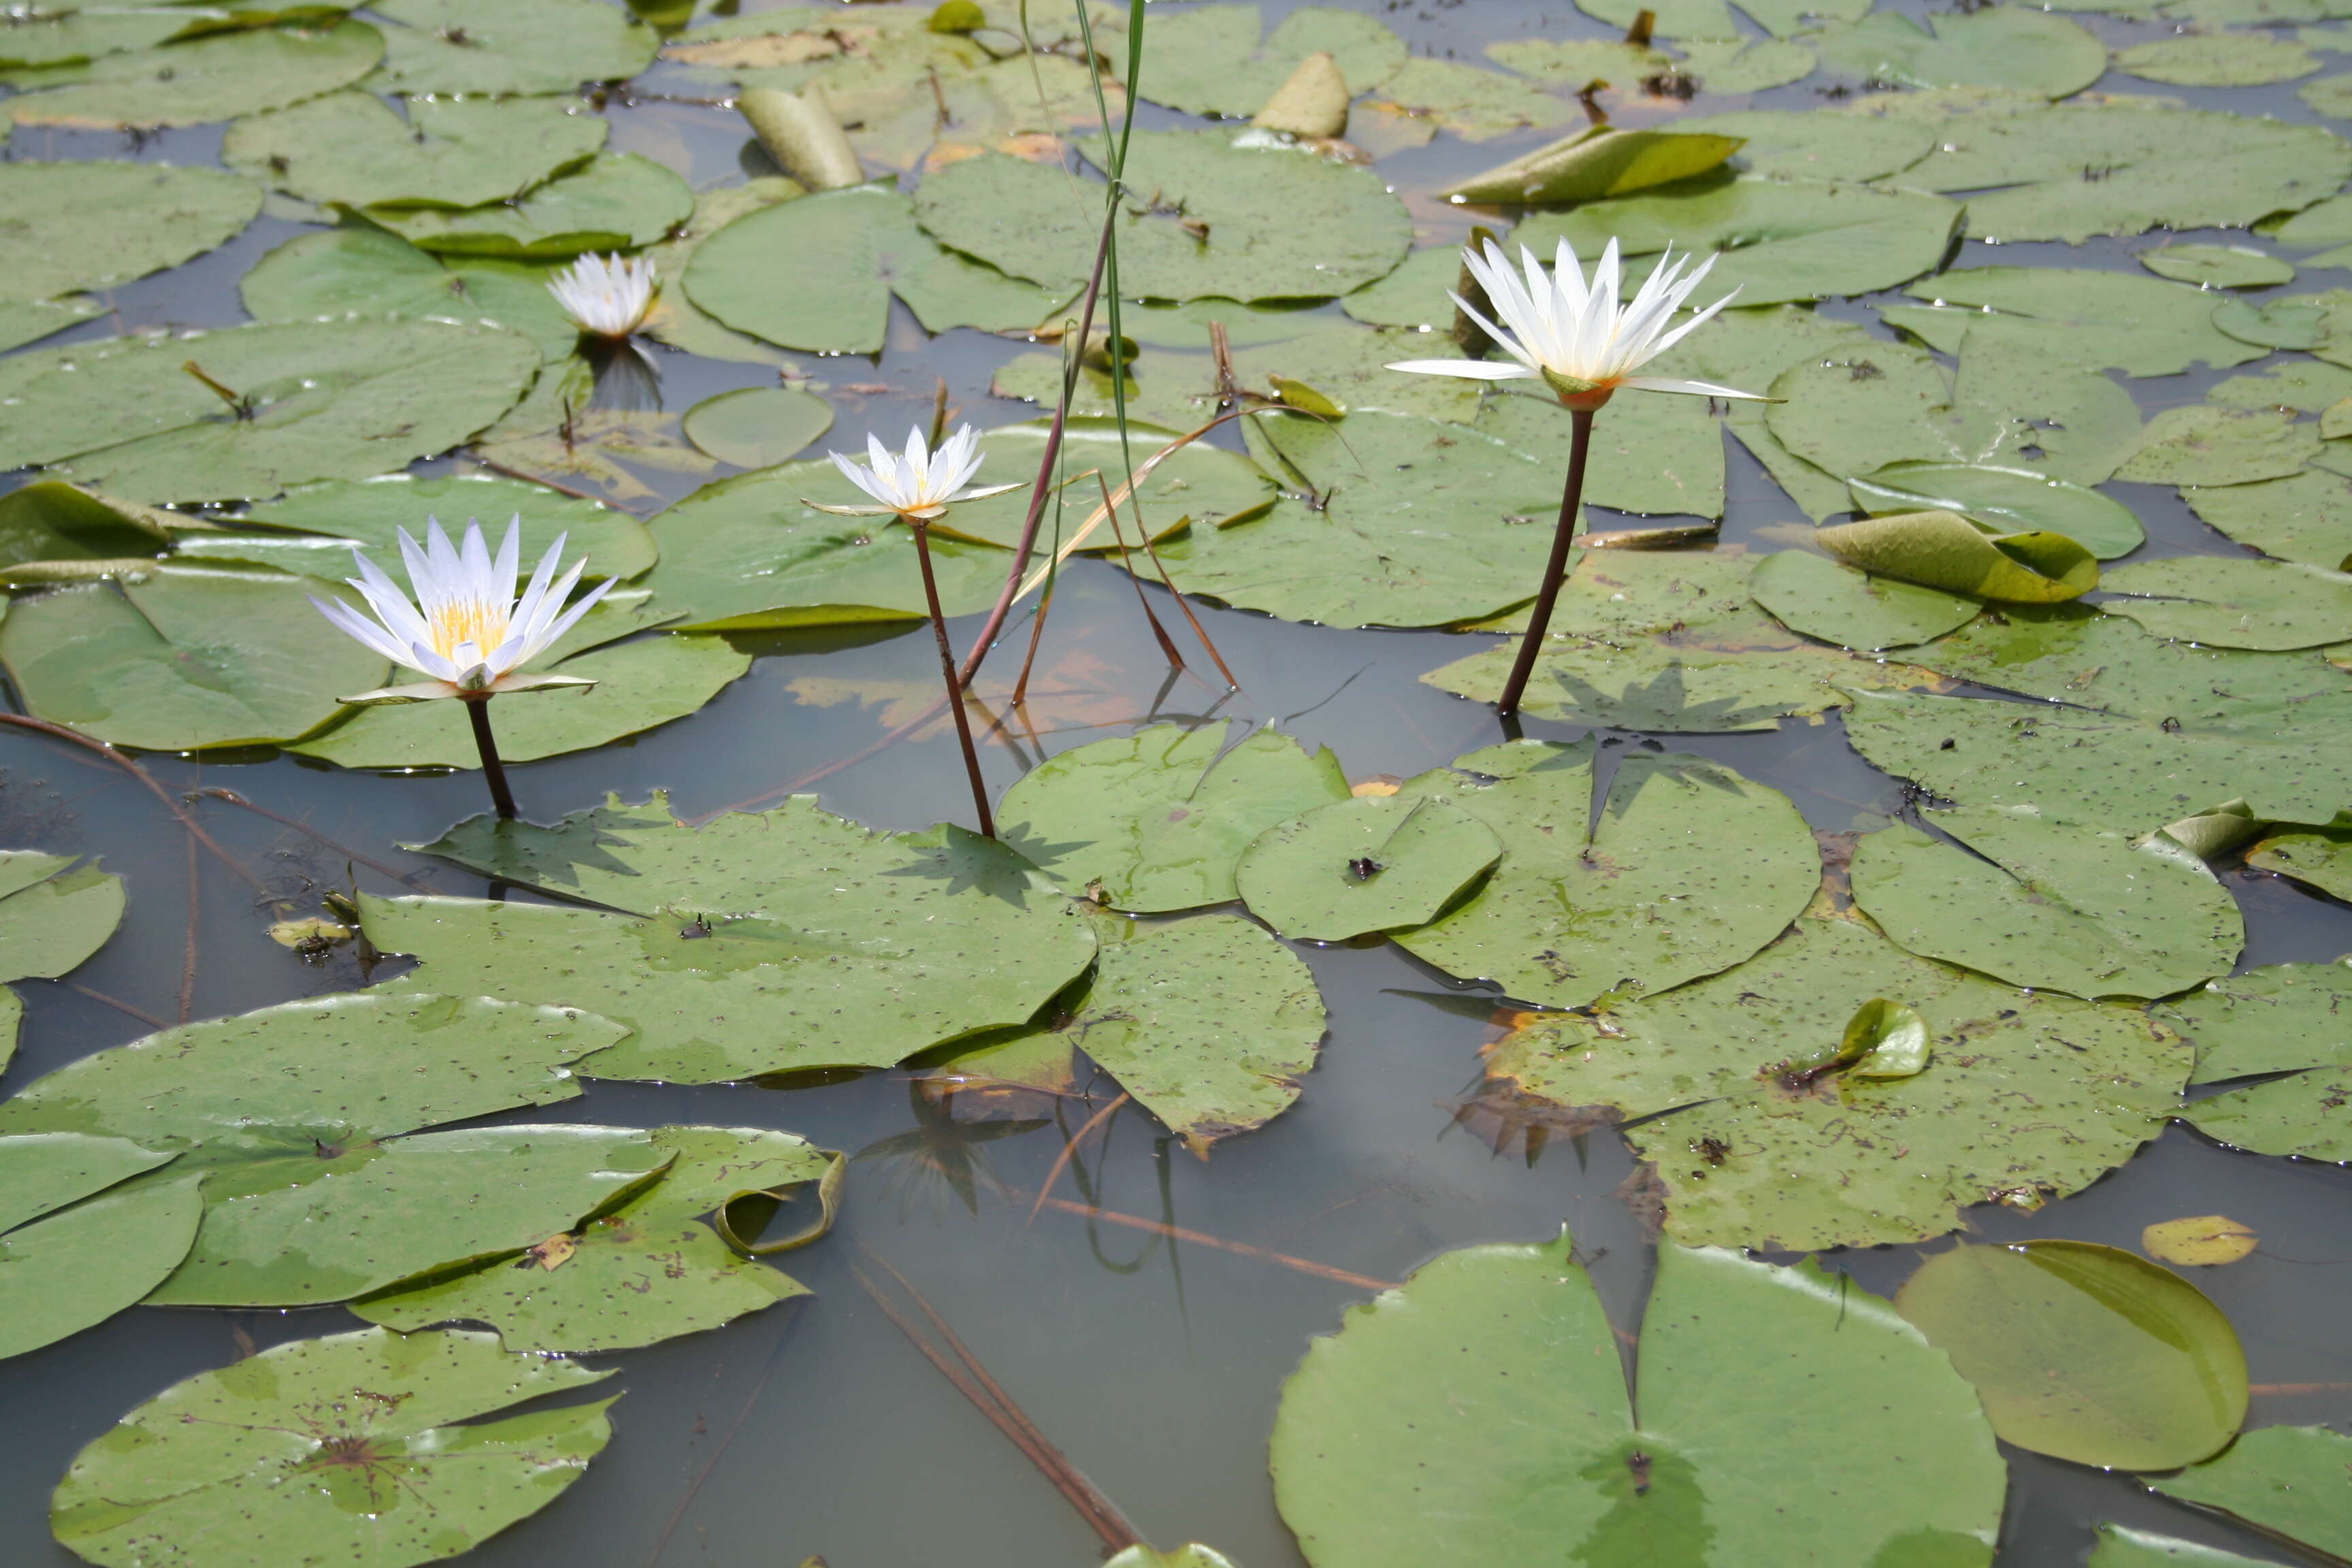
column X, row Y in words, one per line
column 1154, row 1363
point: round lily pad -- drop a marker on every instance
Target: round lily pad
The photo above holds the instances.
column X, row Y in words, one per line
column 357, row 271
column 2202, row 444
column 1368, row 864
column 95, row 225
column 2218, row 266
column 70, row 1259
column 1997, row 45
column 1805, row 144
column 211, row 77
column 618, row 201
column 2218, row 59
column 757, row 426
column 2277, row 324
column 2234, row 602
column 1821, row 598
column 2084, row 1351
column 351, row 147
column 311, row 528
column 1209, row 59
column 389, row 1476
column 517, row 47
column 2014, row 501
column 2145, row 326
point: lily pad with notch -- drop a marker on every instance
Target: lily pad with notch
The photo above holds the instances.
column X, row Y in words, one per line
column 616, row 201
column 1994, row 45
column 757, row 426
column 1839, row 605
column 1805, row 144
column 54, row 915
column 358, row 270
column 2230, row 603
column 2142, row 326
column 2218, row 59
column 83, row 1238
column 2218, row 266
column 351, row 148
column 2202, row 444
column 1370, row 863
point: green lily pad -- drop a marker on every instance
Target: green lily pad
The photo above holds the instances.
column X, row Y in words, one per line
column 2281, row 1017
column 1670, row 19
column 2302, row 1115
column 1999, row 45
column 1369, row 864
column 2277, row 324
column 1944, row 551
column 96, row 225
column 184, row 657
column 2246, row 168
column 1209, row 485
column 2217, row 266
column 2322, row 859
column 2227, row 602
column 1574, row 62
column 360, row 270
column 2330, row 96
column 201, row 1471
column 2122, row 1548
column 2142, row 326
column 2023, row 1094
column 2014, row 501
column 1660, row 454
column 1640, row 897
column 2218, row 59
column 1857, row 410
column 2083, row 1352
column 522, row 45
column 1748, row 349
column 676, row 318
column 48, row 38
column 321, row 523
column 1743, row 66
column 1264, row 222
column 744, row 552
column 1156, row 820
column 1413, row 296
column 847, row 252
column 1804, row 144
column 650, row 1270
column 757, row 426
column 2201, row 445
column 2049, row 904
column 639, row 685
column 1470, row 102
column 817, row 943
column 350, row 147
column 49, row 530
column 71, row 1259
column 1596, row 161
column 1209, row 59
column 617, row 201
column 25, row 322
column 2309, row 385
column 2285, row 1481
column 202, row 79
column 331, row 401
column 1821, row 598
column 1777, row 239
column 53, row 919
column 1490, row 1386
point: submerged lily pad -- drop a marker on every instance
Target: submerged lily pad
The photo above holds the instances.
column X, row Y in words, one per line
column 90, row 224
column 2022, row 1094
column 211, row 77
column 1490, row 1386
column 1157, row 820
column 1372, row 863
column 520, row 45
column 1208, row 59
column 365, row 1425
column 2143, row 326
column 617, row 201
column 1821, row 598
column 185, row 657
column 1256, row 222
column 329, row 401
column 1996, row 45
column 2084, row 1352
column 2010, row 499
column 2289, row 1482
column 82, row 1240
column 652, row 1270
column 2227, row 602
column 759, row 942
column 2218, row 59
column 1639, row 896
column 847, row 252
column 350, row 147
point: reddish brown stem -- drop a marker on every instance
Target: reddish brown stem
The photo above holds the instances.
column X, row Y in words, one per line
column 1070, row 1152
column 1200, row 1238
column 478, row 709
column 948, row 672
column 107, row 750
column 1556, row 569
column 405, row 879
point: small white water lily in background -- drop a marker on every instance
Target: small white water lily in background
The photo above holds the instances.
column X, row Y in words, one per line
column 606, row 296
column 1572, row 334
column 919, row 485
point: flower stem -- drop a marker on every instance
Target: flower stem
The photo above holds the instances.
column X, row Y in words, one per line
column 947, row 669
column 1556, row 569
column 477, row 709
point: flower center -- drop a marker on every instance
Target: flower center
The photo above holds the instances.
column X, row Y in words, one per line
column 463, row 621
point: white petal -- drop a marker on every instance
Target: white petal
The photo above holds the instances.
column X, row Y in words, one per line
column 1698, row 388
column 1468, row 369
column 360, row 629
column 986, row 491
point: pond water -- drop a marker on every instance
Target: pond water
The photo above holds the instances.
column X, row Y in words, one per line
column 1149, row 1339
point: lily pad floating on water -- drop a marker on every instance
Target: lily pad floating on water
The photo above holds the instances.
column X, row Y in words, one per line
column 2023, row 1095
column 2201, row 445
column 676, row 318
column 2142, row 326
column 757, row 426
column 1806, row 144
column 847, row 252
column 2199, row 1241
column 2281, row 1017
column 1371, row 863
column 311, row 528
column 2050, row 905
column 2287, row 1482
column 82, row 1239
column 213, row 77
column 2018, row 500
column 1821, row 598
column 341, row 400
column 1209, row 486
column 51, row 532
column 1156, row 821
column 1639, row 896
column 1596, row 163
column 1490, row 1386
column 2218, row 59
column 2320, row 857
column 90, row 224
column 1944, row 551
column 2120, row 1547
column 1472, row 103
column 441, row 46
column 617, row 201
column 1209, row 59
column 1744, row 65
column 51, row 920
column 2227, row 602
column 652, row 1270
column 184, row 657
column 351, row 148
column 1258, row 222
column 2084, row 1352
column 1998, row 45
column 360, row 270
column 759, row 942
column 378, row 1432
column 2218, row 266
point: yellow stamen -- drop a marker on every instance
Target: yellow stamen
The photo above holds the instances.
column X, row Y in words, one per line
column 468, row 621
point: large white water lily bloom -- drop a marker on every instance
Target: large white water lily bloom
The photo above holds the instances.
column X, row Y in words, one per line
column 464, row 631
column 918, row 485
column 606, row 296
column 1572, row 334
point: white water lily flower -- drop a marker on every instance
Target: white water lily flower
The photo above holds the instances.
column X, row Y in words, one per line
column 464, row 632
column 918, row 486
column 606, row 296
column 1573, row 335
